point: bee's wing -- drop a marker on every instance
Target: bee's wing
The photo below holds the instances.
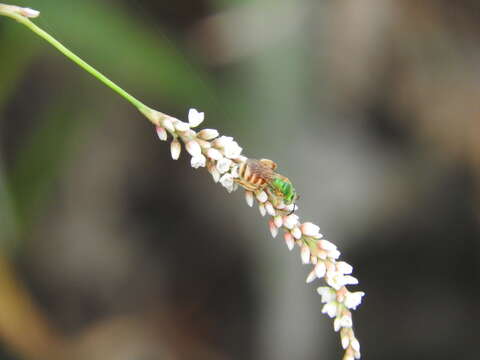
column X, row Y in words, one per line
column 268, row 163
column 259, row 169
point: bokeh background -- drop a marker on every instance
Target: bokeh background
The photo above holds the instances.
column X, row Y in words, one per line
column 111, row 250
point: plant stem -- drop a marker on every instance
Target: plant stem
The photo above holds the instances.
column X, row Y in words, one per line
column 13, row 12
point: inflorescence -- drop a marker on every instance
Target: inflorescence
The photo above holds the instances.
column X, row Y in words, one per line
column 222, row 156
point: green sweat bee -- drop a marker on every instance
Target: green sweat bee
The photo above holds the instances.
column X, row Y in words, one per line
column 260, row 175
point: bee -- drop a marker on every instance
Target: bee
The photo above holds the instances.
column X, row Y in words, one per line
column 260, row 175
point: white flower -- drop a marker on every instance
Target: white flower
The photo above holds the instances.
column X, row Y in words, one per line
column 198, row 161
column 262, row 196
column 181, row 126
column 335, row 254
column 309, row 229
column 320, row 269
column 273, row 229
column 350, row 280
column 214, row 154
column 222, row 141
column 227, row 181
column 297, row 234
column 232, row 150
column 168, row 124
column 162, row 133
column 311, row 276
column 345, row 321
column 330, row 309
column 195, row 118
column 305, row 254
column 207, row 134
column 336, row 324
column 327, row 294
column 290, row 221
column 193, row 148
column 270, row 209
column 278, row 221
column 262, row 209
column 344, row 267
column 289, row 241
column 249, row 198
column 213, row 170
column 345, row 341
column 234, row 171
column 355, row 345
column 353, row 299
column 223, row 165
column 175, row 149
column 335, row 280
column 327, row 245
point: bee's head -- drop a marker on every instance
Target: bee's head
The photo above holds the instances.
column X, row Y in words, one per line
column 285, row 187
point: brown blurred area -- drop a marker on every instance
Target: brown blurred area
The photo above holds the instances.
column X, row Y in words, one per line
column 111, row 250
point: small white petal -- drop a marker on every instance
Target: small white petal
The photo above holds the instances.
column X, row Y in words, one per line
column 232, row 150
column 289, row 241
column 309, row 229
column 195, row 118
column 355, row 345
column 162, row 133
column 223, row 165
column 327, row 245
column 350, row 280
column 181, row 126
column 193, row 148
column 262, row 209
column 346, row 321
column 313, row 260
column 330, row 309
column 227, row 181
column 175, row 149
column 222, row 141
column 278, row 221
column 168, row 124
column 262, row 196
column 207, row 134
column 249, row 198
column 352, row 300
column 327, row 294
column 234, row 171
column 336, row 324
column 214, row 154
column 270, row 209
column 203, row 144
column 335, row 254
column 320, row 269
column 311, row 276
column 273, row 229
column 344, row 267
column 305, row 254
column 345, row 342
column 297, row 234
column 198, row 161
column 290, row 221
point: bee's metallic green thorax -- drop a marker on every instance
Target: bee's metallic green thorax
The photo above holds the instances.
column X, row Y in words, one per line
column 286, row 188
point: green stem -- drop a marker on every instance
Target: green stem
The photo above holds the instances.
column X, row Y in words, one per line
column 10, row 11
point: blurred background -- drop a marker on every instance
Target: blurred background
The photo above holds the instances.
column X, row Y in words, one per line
column 111, row 250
